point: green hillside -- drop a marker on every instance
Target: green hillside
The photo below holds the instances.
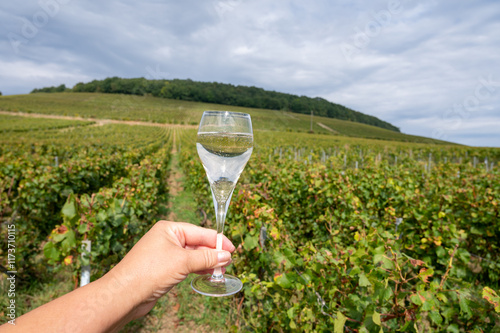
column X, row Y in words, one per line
column 161, row 110
column 225, row 94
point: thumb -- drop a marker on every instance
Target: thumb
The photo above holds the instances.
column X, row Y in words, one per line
column 205, row 259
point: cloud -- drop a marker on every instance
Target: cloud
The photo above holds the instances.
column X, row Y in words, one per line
column 410, row 62
column 22, row 75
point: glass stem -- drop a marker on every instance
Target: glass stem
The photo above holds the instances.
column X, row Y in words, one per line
column 221, row 218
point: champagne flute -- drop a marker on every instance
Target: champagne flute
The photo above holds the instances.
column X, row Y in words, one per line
column 224, row 144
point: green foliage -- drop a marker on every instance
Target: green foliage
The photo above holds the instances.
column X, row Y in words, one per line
column 60, row 88
column 113, row 219
column 319, row 247
column 37, row 178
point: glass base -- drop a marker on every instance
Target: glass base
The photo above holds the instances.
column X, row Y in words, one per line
column 206, row 285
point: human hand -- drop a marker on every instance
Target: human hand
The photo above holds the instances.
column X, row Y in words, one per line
column 164, row 257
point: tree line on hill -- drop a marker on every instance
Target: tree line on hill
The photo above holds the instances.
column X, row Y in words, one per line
column 54, row 89
column 226, row 94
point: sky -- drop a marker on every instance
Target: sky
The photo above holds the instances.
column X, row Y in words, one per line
column 431, row 68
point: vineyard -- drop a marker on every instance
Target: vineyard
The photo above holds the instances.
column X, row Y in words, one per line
column 363, row 238
column 63, row 187
column 333, row 233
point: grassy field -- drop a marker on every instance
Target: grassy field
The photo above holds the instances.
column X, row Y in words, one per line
column 22, row 124
column 60, row 134
column 159, row 110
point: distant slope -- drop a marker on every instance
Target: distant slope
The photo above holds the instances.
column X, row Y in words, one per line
column 161, row 110
column 225, row 94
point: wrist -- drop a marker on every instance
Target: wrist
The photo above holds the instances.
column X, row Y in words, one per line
column 121, row 287
column 135, row 286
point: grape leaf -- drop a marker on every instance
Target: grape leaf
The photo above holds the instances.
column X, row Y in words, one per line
column 363, row 281
column 339, row 323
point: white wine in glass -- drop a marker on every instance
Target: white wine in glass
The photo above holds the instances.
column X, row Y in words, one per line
column 224, row 144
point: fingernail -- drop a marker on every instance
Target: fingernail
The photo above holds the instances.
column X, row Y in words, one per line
column 223, row 256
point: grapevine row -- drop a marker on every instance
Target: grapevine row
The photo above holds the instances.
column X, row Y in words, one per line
column 36, row 180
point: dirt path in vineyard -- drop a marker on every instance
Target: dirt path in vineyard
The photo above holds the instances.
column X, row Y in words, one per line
column 96, row 120
column 170, row 321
